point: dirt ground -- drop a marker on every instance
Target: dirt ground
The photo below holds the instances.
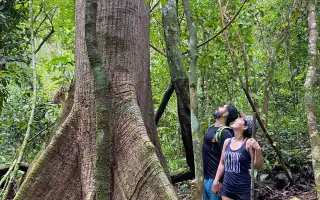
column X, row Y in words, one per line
column 184, row 192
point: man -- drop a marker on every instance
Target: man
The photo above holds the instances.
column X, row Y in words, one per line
column 212, row 146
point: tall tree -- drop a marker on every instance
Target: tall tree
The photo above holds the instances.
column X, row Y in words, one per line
column 193, row 84
column 178, row 75
column 65, row 170
column 309, row 85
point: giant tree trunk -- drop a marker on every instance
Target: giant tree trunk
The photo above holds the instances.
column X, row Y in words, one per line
column 65, row 170
column 309, row 100
column 179, row 75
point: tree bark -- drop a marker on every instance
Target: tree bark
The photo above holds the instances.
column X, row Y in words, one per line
column 309, row 86
column 193, row 84
column 179, row 75
column 104, row 138
column 65, row 170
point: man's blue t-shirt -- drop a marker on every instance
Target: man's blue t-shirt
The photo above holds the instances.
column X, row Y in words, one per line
column 211, row 151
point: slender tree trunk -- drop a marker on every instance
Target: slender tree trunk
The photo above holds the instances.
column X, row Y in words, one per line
column 309, row 85
column 179, row 75
column 65, row 170
column 193, row 85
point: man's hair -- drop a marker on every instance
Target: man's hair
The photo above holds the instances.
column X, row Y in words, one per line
column 233, row 114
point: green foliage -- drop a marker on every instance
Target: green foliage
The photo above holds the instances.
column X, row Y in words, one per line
column 14, row 121
column 55, row 68
column 13, row 32
column 163, row 2
column 13, row 39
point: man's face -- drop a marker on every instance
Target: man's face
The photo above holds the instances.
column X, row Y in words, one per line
column 222, row 111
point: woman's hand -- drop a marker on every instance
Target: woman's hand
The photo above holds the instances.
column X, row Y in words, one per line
column 254, row 144
column 216, row 186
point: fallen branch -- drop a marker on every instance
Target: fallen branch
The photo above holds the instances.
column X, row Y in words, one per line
column 183, row 176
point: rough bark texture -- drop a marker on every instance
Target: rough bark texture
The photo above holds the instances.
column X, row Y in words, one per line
column 104, row 137
column 65, row 170
column 179, row 75
column 197, row 137
column 309, row 85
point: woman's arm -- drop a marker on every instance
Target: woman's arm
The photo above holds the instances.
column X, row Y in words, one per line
column 258, row 158
column 220, row 171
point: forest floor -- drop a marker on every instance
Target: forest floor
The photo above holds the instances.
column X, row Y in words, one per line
column 288, row 194
column 277, row 188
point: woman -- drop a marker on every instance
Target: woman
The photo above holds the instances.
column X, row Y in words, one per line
column 235, row 162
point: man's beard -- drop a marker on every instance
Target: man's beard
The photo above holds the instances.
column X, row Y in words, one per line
column 217, row 114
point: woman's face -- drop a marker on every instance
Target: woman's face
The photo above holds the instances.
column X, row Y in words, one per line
column 239, row 125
